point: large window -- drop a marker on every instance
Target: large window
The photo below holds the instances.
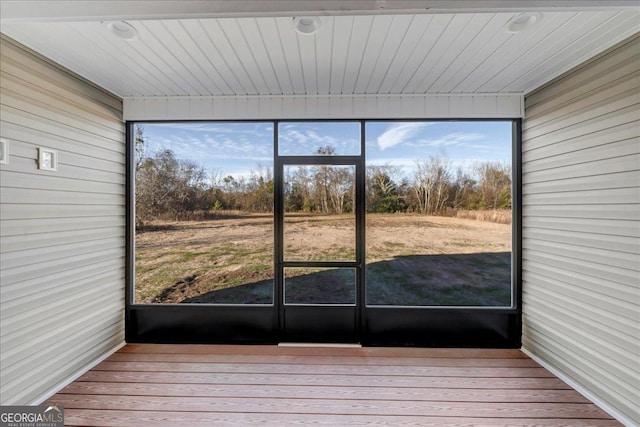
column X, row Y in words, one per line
column 204, row 213
column 439, row 213
column 438, row 200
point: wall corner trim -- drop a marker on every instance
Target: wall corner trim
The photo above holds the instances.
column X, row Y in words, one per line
column 86, row 368
column 580, row 389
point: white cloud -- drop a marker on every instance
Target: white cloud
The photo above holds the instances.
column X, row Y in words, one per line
column 314, row 136
column 301, row 140
column 399, row 133
column 298, row 136
column 207, row 148
column 458, row 138
column 260, row 130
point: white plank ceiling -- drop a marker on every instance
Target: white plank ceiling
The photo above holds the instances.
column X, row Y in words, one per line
column 461, row 53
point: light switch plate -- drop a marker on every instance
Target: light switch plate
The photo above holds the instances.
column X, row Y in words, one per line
column 47, row 159
column 4, row 151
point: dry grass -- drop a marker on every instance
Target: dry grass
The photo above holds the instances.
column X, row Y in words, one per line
column 502, row 216
column 412, row 259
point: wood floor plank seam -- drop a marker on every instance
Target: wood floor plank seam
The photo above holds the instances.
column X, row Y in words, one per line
column 561, row 404
column 128, row 418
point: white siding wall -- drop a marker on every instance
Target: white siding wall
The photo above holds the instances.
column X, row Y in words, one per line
column 62, row 234
column 581, row 227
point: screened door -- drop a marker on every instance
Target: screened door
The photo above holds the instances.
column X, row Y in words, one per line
column 320, row 231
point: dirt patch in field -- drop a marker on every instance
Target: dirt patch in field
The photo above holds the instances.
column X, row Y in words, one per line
column 412, row 260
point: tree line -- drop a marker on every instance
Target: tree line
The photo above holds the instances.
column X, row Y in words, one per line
column 169, row 188
column 436, row 188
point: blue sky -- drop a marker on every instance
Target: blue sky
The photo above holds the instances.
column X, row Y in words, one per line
column 463, row 143
column 237, row 148
column 226, row 148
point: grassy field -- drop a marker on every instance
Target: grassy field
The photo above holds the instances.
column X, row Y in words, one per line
column 411, row 260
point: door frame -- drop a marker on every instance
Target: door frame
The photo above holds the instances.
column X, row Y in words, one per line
column 321, row 322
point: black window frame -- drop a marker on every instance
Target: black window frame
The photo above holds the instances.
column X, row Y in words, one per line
column 480, row 327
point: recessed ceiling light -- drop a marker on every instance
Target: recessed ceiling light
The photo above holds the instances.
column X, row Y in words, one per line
column 524, row 21
column 123, row 30
column 306, row 25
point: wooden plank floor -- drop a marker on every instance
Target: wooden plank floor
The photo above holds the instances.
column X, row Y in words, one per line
column 193, row 385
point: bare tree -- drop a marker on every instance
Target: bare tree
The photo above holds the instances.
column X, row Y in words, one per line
column 463, row 190
column 382, row 190
column 431, row 184
column 260, row 190
column 339, row 187
column 333, row 185
column 140, row 145
column 298, row 191
column 169, row 188
column 494, row 185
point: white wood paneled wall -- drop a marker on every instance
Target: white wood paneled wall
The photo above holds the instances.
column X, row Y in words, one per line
column 62, row 233
column 405, row 54
column 581, row 228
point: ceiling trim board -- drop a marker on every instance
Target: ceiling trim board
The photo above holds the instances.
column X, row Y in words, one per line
column 458, row 106
column 113, row 10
